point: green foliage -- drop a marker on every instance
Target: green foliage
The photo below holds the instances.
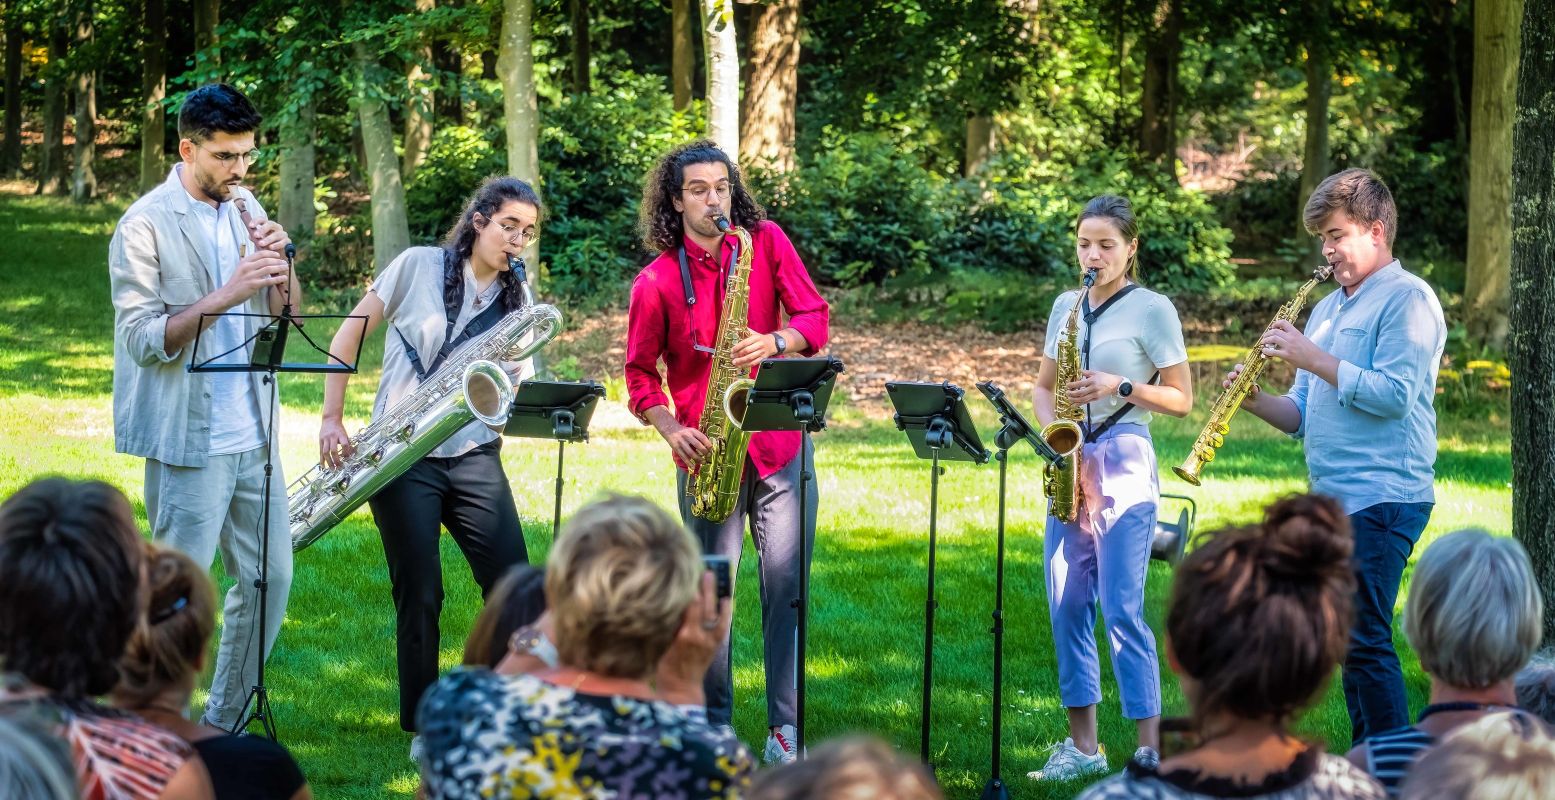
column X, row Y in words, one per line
column 459, row 158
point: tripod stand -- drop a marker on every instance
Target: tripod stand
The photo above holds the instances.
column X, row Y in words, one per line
column 269, row 345
column 554, row 410
column 937, row 425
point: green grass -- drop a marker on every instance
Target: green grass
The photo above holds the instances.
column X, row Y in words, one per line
column 332, row 675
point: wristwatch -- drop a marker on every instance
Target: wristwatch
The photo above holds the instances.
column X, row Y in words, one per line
column 782, row 344
column 1125, row 389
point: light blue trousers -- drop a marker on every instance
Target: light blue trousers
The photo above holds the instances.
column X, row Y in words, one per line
column 1103, row 555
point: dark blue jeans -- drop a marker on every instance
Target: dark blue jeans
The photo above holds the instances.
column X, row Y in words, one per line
column 1385, row 534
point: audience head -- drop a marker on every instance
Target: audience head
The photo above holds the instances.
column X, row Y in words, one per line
column 71, row 562
column 33, row 764
column 618, row 583
column 1502, row 755
column 516, row 601
column 168, row 647
column 855, row 768
column 1536, row 687
column 1261, row 615
column 1474, row 611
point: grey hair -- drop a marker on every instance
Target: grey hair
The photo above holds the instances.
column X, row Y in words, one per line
column 1536, row 686
column 33, row 765
column 1474, row 611
column 1502, row 755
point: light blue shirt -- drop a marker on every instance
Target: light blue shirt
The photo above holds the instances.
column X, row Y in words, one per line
column 1372, row 438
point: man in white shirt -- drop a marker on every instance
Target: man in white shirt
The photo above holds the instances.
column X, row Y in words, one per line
column 200, row 244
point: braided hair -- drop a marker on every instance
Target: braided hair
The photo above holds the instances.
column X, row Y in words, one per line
column 495, row 192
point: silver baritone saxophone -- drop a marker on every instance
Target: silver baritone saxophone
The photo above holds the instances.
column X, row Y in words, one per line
column 470, row 384
column 715, row 487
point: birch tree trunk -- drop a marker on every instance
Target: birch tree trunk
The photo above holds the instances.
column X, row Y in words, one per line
column 1531, row 343
column 153, row 90
column 295, row 210
column 391, row 232
column 682, row 53
column 723, row 76
column 419, row 108
column 520, row 103
column 774, row 84
column 1487, row 283
column 83, row 186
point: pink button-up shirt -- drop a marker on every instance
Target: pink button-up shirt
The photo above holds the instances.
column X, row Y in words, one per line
column 661, row 326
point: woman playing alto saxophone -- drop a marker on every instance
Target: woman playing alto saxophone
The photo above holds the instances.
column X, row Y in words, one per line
column 1124, row 335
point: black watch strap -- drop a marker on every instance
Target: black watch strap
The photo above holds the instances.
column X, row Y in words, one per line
column 782, row 344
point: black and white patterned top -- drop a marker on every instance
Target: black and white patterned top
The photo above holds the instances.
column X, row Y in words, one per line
column 1390, row 754
column 498, row 736
column 1315, row 775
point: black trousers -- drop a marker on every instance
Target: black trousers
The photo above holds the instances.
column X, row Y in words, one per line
column 470, row 496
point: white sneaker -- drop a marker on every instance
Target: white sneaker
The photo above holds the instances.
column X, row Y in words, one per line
column 1147, row 757
column 418, row 750
column 1068, row 763
column 780, row 746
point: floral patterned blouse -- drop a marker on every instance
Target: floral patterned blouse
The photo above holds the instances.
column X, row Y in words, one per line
column 498, row 736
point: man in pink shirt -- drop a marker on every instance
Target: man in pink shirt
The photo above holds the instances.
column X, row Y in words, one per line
column 677, row 302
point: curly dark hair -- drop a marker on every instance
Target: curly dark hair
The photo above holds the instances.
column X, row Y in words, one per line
column 70, row 584
column 494, row 193
column 661, row 226
column 1260, row 615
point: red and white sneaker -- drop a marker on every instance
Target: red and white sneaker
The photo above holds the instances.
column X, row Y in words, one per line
column 780, row 746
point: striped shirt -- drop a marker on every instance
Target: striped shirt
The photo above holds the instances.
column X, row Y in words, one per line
column 1390, row 754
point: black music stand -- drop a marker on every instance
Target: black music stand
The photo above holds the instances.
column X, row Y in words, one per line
column 554, row 410
column 791, row 394
column 938, row 425
column 269, row 348
column 1013, row 429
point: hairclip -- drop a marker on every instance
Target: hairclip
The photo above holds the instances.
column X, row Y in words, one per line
column 167, row 613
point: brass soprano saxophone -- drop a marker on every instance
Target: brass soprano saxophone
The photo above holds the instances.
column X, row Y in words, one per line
column 470, row 384
column 1064, row 434
column 716, row 485
column 1230, row 400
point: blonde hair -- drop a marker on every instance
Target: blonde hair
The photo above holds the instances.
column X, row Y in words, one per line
column 856, row 768
column 1474, row 610
column 618, row 583
column 1507, row 754
column 166, row 647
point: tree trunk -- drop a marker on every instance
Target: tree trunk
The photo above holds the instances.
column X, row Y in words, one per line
column 206, row 15
column 773, row 85
column 1158, row 106
column 1319, row 70
column 418, row 109
column 391, row 232
column 980, row 131
column 51, row 171
column 520, row 102
column 1487, row 287
column 683, row 55
column 450, row 66
column 723, row 76
column 580, row 46
column 83, row 188
column 1531, row 344
column 11, row 150
column 297, row 173
column 153, row 90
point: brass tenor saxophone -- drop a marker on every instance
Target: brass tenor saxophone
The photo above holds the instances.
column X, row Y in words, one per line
column 1064, row 434
column 1230, row 400
column 716, row 485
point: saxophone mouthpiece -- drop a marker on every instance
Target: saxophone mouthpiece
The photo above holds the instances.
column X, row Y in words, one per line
column 723, row 223
column 1322, row 272
column 1090, row 278
column 516, row 266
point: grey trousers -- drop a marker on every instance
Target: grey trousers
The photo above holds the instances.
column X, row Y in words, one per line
column 197, row 510
column 772, row 506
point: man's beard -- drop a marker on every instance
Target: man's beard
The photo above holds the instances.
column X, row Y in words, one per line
column 705, row 226
column 217, row 190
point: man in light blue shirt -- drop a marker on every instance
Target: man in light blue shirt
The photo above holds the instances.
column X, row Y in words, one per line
column 1362, row 405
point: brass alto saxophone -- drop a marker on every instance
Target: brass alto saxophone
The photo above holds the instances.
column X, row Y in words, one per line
column 715, row 487
column 1230, row 400
column 1064, row 434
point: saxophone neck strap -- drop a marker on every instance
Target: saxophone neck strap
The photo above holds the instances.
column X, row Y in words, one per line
column 685, row 273
column 1094, row 432
column 482, row 323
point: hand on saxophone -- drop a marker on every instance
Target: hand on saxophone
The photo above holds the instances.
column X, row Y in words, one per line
column 688, row 444
column 334, row 444
column 754, row 348
column 1092, row 386
column 1284, row 342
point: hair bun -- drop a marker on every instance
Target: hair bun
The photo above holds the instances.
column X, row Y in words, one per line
column 1306, row 538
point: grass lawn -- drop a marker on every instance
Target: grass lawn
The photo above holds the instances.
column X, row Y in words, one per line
column 332, row 675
